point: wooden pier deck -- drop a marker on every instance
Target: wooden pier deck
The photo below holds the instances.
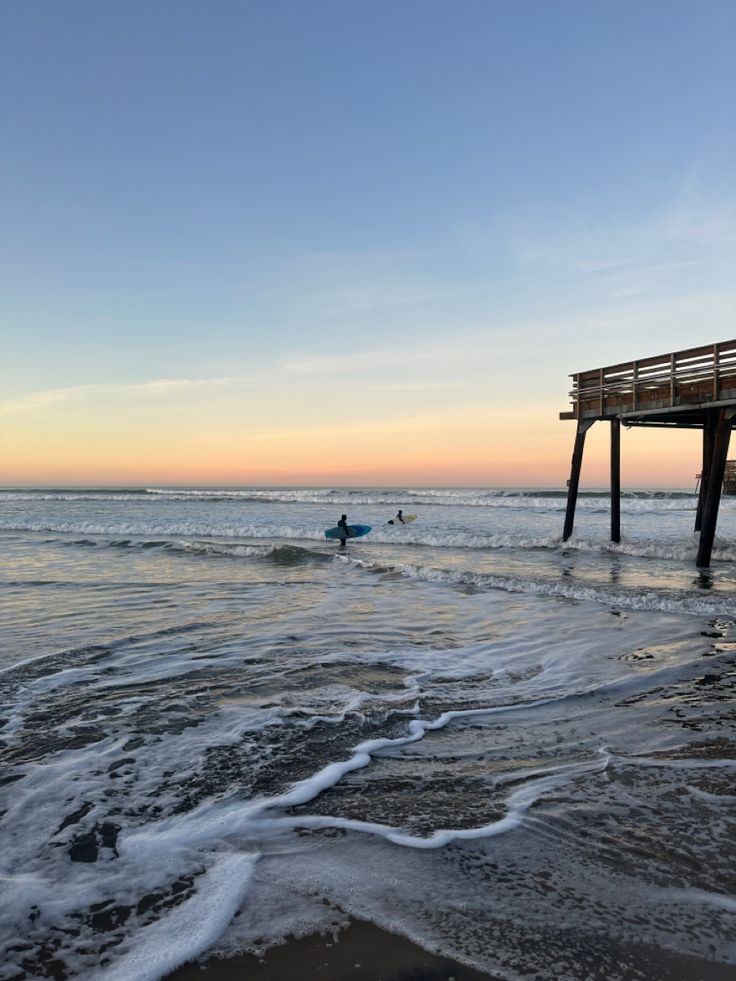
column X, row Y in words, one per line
column 691, row 389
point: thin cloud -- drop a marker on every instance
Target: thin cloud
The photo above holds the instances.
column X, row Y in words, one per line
column 308, row 365
column 641, row 252
column 156, row 388
column 345, row 301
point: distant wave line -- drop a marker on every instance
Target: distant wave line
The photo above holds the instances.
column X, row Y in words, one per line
column 459, row 497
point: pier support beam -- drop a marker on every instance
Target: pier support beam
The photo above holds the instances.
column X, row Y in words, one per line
column 615, row 480
column 708, row 439
column 572, row 484
column 716, row 471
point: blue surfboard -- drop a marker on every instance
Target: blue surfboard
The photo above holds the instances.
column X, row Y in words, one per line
column 354, row 531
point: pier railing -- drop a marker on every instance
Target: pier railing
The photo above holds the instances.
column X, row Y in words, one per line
column 694, row 377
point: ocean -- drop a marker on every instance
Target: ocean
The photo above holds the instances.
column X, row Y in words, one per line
column 219, row 733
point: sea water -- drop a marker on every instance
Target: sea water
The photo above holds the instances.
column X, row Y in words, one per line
column 220, row 731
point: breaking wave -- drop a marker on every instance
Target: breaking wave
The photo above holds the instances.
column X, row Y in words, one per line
column 463, row 497
column 628, row 598
column 148, row 534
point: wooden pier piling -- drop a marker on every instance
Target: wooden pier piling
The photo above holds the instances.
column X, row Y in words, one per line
column 708, row 437
column 716, row 470
column 573, row 482
column 615, row 480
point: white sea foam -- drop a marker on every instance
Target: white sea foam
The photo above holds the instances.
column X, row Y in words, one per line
column 699, row 897
column 217, row 821
column 227, row 548
column 710, row 798
column 632, row 501
column 190, row 928
column 517, row 805
column 65, row 496
column 682, row 551
column 676, row 764
column 703, row 604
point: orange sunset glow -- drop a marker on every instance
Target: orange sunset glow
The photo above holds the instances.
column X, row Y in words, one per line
column 531, row 449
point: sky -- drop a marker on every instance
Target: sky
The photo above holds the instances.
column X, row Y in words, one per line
column 332, row 242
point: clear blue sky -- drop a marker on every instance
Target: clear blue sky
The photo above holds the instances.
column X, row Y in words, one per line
column 196, row 190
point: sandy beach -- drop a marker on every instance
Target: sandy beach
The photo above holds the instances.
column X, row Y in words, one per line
column 365, row 953
column 362, row 952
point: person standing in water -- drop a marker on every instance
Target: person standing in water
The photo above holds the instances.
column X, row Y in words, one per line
column 400, row 517
column 342, row 524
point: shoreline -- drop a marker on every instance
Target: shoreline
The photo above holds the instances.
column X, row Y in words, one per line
column 365, row 952
column 360, row 952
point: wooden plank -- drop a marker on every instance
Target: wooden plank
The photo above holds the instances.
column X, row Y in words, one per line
column 715, row 372
column 660, row 361
column 673, row 365
column 696, row 352
column 635, row 381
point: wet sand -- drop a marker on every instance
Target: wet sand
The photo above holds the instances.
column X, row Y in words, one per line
column 362, row 952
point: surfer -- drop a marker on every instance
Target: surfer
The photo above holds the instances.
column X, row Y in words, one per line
column 343, row 525
column 400, row 517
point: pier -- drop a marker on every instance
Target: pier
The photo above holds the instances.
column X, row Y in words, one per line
column 692, row 389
